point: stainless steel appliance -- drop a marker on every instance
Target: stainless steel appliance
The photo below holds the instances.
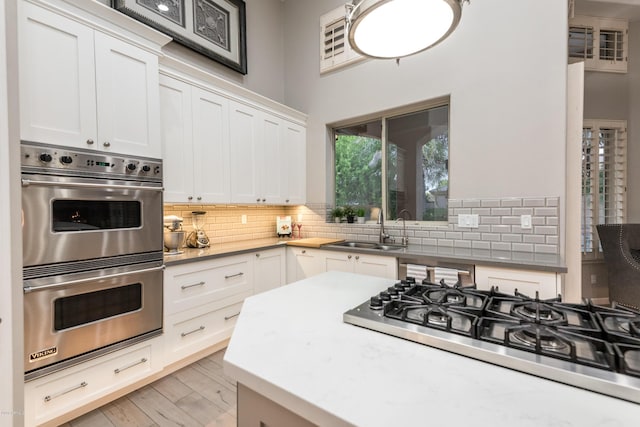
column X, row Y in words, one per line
column 583, row 345
column 92, row 254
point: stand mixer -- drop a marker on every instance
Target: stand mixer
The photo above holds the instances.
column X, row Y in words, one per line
column 198, row 238
column 173, row 236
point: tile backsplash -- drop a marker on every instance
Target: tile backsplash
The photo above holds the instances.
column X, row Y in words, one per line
column 498, row 224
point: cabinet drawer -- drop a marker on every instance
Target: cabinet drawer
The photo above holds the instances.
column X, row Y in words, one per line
column 526, row 282
column 213, row 283
column 197, row 329
column 53, row 395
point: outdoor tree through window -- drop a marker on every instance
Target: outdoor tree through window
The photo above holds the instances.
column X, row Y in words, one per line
column 413, row 173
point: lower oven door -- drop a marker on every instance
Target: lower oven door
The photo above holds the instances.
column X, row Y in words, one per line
column 75, row 317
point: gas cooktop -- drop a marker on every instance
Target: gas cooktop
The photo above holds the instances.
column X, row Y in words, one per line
column 584, row 345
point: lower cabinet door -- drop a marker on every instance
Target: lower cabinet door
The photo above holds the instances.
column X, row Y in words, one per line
column 56, row 394
column 193, row 330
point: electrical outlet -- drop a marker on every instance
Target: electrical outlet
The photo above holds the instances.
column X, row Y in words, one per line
column 244, row 219
column 468, row 220
column 525, row 222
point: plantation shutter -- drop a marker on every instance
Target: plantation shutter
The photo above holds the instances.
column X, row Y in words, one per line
column 604, row 183
column 335, row 51
column 602, row 43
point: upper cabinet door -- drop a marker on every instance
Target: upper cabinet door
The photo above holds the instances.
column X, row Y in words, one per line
column 210, row 146
column 294, row 174
column 176, row 139
column 128, row 98
column 57, row 78
column 272, row 160
column 243, row 138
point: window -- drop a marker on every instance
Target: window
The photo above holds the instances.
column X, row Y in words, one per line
column 600, row 42
column 335, row 51
column 398, row 162
column 604, row 182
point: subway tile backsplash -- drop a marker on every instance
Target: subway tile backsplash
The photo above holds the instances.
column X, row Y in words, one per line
column 499, row 224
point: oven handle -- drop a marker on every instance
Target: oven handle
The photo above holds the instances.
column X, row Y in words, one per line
column 28, row 182
column 28, row 289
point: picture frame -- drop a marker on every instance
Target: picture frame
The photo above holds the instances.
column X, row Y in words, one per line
column 213, row 28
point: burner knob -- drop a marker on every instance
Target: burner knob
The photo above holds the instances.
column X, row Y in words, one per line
column 384, row 296
column 410, row 280
column 45, row 157
column 146, row 168
column 66, row 159
column 131, row 167
column 392, row 291
column 375, row 303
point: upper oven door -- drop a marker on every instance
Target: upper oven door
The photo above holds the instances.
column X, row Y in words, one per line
column 71, row 219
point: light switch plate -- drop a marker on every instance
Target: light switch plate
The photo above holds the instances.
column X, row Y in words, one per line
column 525, row 222
column 468, row 220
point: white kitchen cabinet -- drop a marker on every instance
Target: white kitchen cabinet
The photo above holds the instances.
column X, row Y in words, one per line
column 101, row 94
column 202, row 301
column 528, row 282
column 303, row 263
column 56, row 394
column 195, row 143
column 268, row 163
column 372, row 265
column 269, row 269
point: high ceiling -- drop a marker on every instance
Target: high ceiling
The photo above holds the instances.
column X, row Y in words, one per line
column 625, row 9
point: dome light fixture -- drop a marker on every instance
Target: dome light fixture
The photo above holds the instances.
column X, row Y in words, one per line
column 387, row 29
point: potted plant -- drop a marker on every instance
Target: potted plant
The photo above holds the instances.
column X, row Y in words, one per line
column 337, row 214
column 360, row 214
column 350, row 213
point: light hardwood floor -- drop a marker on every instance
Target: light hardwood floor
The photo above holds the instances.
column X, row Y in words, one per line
column 197, row 395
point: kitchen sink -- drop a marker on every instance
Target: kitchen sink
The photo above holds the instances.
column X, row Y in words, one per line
column 369, row 245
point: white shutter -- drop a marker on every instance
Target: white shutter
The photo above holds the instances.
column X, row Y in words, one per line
column 335, row 51
column 602, row 43
column 604, row 179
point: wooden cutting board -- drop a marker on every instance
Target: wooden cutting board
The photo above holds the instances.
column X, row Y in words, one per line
column 313, row 242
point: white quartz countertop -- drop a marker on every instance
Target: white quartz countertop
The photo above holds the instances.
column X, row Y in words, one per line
column 291, row 345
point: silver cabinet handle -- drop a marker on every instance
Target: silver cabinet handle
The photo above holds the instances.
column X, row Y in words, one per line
column 234, row 275
column 50, row 397
column 287, row 201
column 304, row 251
column 199, row 198
column 190, row 198
column 257, row 255
column 183, row 287
column 258, row 199
column 357, row 256
column 130, row 365
column 184, row 334
column 264, row 200
column 106, row 144
column 89, row 141
column 349, row 256
column 232, row 316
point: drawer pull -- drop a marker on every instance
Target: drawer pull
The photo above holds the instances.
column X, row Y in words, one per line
column 50, row 397
column 232, row 316
column 234, row 275
column 192, row 286
column 184, row 334
column 130, row 365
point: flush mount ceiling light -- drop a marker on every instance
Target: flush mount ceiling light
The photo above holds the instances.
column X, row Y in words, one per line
column 389, row 29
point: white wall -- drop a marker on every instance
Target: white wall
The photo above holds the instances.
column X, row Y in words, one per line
column 504, row 67
column 265, row 54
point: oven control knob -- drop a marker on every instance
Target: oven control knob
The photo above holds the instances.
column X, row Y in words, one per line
column 45, row 157
column 66, row 159
column 131, row 167
column 146, row 168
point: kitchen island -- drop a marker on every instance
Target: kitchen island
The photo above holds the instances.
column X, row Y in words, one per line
column 291, row 346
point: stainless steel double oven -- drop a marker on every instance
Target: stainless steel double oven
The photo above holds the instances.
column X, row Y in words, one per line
column 92, row 254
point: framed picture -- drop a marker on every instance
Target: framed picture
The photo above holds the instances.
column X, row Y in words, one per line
column 214, row 28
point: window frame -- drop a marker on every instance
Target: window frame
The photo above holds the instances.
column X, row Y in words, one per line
column 383, row 116
column 597, row 24
column 620, row 149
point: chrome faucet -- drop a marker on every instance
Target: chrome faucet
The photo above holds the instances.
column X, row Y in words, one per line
column 405, row 238
column 383, row 235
